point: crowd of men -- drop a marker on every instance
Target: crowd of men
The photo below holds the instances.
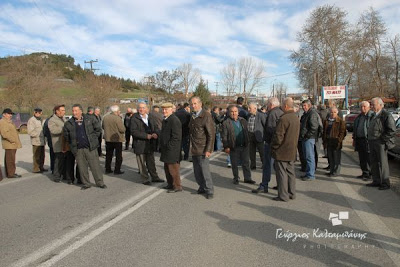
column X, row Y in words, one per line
column 278, row 131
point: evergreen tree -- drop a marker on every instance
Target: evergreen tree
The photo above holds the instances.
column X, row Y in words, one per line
column 203, row 92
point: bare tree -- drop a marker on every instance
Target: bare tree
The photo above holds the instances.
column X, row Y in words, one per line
column 29, row 81
column 394, row 46
column 250, row 74
column 374, row 31
column 99, row 89
column 167, row 80
column 243, row 75
column 189, row 77
column 322, row 42
column 228, row 74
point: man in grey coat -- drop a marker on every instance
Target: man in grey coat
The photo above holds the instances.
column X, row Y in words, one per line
column 255, row 125
column 56, row 125
column 381, row 133
column 360, row 139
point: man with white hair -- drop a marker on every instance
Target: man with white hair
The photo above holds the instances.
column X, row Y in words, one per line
column 360, row 139
column 273, row 115
column 145, row 135
column 381, row 133
column 114, row 131
column 255, row 125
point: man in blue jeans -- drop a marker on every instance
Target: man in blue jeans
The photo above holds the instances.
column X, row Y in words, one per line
column 273, row 115
column 308, row 134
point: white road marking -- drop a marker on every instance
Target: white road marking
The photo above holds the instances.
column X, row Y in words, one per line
column 31, row 258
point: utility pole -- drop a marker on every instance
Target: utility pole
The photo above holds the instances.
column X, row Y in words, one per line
column 91, row 64
column 216, row 86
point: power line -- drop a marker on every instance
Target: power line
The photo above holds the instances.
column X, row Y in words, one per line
column 50, row 28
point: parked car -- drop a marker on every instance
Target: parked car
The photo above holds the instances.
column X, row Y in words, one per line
column 395, row 152
column 395, row 114
column 349, row 119
column 20, row 121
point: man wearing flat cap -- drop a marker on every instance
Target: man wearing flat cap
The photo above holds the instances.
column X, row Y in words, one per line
column 170, row 146
column 35, row 131
column 10, row 142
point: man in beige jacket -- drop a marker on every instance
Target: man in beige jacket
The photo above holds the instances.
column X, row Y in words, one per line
column 114, row 135
column 35, row 131
column 10, row 142
column 56, row 125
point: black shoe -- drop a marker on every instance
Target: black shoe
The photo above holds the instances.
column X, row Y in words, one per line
column 15, row 176
column 174, row 190
column 303, row 176
column 201, row 191
column 249, row 182
column 168, row 187
column 147, row 183
column 360, row 176
column 158, row 180
column 373, row 185
column 307, row 179
column 235, row 181
column 278, row 199
column 57, row 180
column 253, row 168
column 327, row 168
column 37, row 172
column 119, row 172
column 85, row 187
column 384, row 187
column 275, row 188
column 209, row 196
column 328, row 174
column 79, row 182
column 292, row 197
column 108, row 171
column 69, row 182
column 260, row 189
column 367, row 178
column 44, row 170
column 103, row 186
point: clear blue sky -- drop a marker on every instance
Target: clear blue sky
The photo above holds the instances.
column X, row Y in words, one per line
column 133, row 38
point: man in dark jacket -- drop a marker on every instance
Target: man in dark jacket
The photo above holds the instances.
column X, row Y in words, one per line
column 97, row 114
column 360, row 139
column 145, row 133
column 170, row 145
column 47, row 135
column 235, row 139
column 184, row 118
column 127, row 124
column 273, row 115
column 242, row 111
column 381, row 131
column 283, row 150
column 82, row 133
column 256, row 123
column 308, row 134
column 202, row 135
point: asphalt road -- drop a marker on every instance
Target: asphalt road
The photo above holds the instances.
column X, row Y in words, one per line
column 51, row 224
